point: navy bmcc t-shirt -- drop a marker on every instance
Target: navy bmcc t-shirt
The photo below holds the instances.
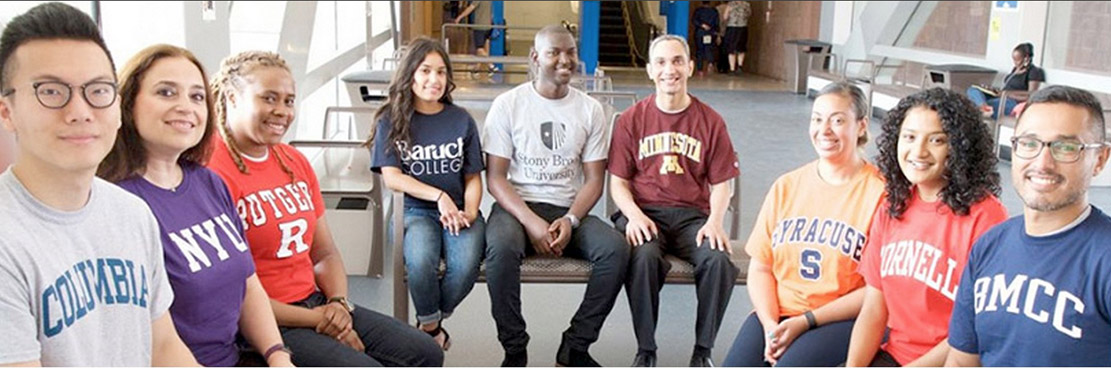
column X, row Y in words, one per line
column 1037, row 301
column 442, row 149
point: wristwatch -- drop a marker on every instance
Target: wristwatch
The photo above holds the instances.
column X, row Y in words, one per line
column 344, row 302
column 574, row 220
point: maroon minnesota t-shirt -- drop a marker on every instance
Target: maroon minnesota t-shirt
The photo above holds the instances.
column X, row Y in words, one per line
column 672, row 159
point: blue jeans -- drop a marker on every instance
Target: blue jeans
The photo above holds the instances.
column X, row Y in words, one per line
column 426, row 242
column 825, row 346
column 979, row 99
column 388, row 342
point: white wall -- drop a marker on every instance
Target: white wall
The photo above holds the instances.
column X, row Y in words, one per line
column 876, row 23
column 537, row 14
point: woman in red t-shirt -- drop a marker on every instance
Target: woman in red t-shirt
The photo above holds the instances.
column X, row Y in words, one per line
column 278, row 199
column 939, row 167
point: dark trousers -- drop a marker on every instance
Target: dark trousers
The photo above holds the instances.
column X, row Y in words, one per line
column 714, row 274
column 824, row 346
column 507, row 244
column 389, row 342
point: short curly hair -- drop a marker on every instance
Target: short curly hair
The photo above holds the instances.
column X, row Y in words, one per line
column 970, row 173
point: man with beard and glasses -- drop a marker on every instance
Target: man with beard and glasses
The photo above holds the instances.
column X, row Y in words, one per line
column 1037, row 288
column 546, row 147
column 671, row 161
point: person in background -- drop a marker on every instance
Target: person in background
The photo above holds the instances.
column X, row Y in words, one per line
column 705, row 21
column 735, row 42
column 1024, row 79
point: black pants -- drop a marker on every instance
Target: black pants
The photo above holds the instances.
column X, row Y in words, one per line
column 388, row 341
column 714, row 274
column 507, row 244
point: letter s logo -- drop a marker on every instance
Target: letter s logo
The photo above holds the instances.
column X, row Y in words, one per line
column 810, row 264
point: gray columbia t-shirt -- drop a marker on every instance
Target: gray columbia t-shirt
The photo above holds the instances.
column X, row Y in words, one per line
column 547, row 141
column 79, row 288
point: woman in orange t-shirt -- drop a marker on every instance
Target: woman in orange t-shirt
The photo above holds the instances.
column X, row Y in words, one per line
column 278, row 199
column 807, row 241
column 939, row 165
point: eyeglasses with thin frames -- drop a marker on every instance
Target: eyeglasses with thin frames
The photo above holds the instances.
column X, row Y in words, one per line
column 1063, row 150
column 56, row 95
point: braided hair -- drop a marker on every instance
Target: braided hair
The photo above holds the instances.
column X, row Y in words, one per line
column 231, row 79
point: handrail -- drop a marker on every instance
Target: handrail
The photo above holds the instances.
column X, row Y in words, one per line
column 444, row 28
column 335, row 109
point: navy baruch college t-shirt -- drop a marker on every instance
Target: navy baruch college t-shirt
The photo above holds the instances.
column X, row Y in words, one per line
column 1037, row 300
column 442, row 149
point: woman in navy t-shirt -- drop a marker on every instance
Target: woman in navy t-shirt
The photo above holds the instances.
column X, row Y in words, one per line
column 429, row 149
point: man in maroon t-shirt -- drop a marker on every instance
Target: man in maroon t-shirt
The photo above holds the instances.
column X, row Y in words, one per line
column 671, row 161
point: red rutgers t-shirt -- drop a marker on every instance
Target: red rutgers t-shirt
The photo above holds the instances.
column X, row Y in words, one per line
column 671, row 159
column 279, row 216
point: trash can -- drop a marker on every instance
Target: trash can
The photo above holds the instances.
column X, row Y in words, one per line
column 797, row 59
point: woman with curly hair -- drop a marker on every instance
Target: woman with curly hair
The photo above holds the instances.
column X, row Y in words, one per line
column 936, row 157
column 806, row 244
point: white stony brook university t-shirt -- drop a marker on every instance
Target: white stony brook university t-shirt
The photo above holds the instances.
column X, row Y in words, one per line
column 547, row 141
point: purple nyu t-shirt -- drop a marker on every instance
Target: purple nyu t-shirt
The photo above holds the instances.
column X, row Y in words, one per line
column 207, row 260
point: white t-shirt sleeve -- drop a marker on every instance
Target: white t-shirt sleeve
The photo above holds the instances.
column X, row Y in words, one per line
column 19, row 328
column 161, row 295
column 498, row 130
column 597, row 144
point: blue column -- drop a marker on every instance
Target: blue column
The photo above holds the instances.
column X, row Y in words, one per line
column 589, row 28
column 497, row 15
column 678, row 17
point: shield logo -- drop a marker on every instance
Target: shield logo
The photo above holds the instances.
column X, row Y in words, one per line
column 553, row 135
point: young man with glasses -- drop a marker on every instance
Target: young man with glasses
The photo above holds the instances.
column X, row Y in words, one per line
column 1037, row 288
column 82, row 280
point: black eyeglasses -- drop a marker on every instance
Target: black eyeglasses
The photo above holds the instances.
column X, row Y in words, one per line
column 1064, row 150
column 55, row 95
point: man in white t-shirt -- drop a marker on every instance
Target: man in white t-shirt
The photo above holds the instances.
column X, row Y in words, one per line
column 82, row 281
column 546, row 147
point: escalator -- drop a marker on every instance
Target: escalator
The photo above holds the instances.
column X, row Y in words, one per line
column 626, row 29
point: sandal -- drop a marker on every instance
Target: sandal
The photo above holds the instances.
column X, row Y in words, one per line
column 436, row 333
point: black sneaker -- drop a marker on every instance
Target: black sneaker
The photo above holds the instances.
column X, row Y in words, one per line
column 701, row 361
column 515, row 359
column 645, row 360
column 571, row 357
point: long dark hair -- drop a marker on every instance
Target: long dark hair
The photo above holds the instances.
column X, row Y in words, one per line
column 128, row 156
column 399, row 102
column 970, row 174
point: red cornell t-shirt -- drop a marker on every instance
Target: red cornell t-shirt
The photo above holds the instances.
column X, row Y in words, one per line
column 672, row 159
column 279, row 216
column 917, row 262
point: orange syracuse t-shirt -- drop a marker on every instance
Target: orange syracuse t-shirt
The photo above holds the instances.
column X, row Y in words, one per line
column 812, row 234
